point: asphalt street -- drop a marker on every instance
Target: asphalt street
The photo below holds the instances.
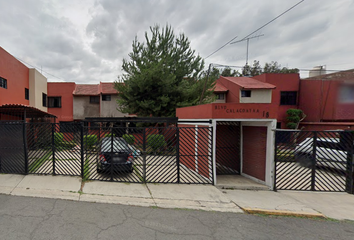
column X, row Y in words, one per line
column 40, row 218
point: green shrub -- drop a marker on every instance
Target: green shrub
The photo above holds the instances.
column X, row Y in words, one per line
column 109, row 135
column 58, row 138
column 90, row 141
column 129, row 138
column 294, row 117
column 155, row 141
column 68, row 144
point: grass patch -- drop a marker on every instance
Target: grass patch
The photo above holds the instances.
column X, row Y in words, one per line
column 138, row 174
column 86, row 170
column 39, row 162
column 285, row 155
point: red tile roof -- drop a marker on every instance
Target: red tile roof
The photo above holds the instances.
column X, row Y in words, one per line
column 87, row 89
column 107, row 88
column 249, row 83
column 220, row 88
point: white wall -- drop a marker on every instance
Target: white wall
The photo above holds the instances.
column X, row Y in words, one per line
column 258, row 96
column 109, row 108
column 37, row 86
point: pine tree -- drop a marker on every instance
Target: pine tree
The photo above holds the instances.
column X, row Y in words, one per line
column 162, row 74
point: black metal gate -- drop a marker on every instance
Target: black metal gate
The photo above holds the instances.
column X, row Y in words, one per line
column 228, row 135
column 314, row 161
column 12, row 152
column 157, row 155
column 98, row 152
column 54, row 148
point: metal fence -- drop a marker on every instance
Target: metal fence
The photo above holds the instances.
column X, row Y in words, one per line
column 146, row 154
column 314, row 161
column 228, row 140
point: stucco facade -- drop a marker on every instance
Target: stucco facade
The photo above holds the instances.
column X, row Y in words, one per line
column 258, row 96
column 64, row 92
column 109, row 108
column 38, row 87
column 83, row 108
column 15, row 74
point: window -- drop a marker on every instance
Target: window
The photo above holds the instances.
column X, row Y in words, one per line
column 245, row 93
column 26, row 94
column 3, row 83
column 54, row 102
column 346, row 94
column 220, row 96
column 94, row 99
column 106, row 97
column 288, row 98
column 44, row 99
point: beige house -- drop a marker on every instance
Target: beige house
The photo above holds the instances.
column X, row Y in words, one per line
column 38, row 90
column 95, row 100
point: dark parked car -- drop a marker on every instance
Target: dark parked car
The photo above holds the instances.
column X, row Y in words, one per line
column 120, row 159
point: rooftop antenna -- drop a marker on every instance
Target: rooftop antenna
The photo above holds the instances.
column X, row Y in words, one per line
column 248, row 40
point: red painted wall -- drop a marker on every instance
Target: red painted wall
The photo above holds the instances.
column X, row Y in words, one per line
column 229, row 110
column 283, row 82
column 187, row 146
column 17, row 76
column 195, row 112
column 344, row 111
column 254, row 151
column 227, row 146
column 321, row 126
column 318, row 100
column 65, row 91
column 233, row 95
column 196, row 160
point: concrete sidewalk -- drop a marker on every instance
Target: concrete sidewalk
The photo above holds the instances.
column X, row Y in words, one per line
column 201, row 197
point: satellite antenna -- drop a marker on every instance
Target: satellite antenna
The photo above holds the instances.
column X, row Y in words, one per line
column 248, row 39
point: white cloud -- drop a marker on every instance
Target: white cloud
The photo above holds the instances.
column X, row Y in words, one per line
column 85, row 41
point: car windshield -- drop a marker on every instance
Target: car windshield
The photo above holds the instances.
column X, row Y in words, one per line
column 118, row 145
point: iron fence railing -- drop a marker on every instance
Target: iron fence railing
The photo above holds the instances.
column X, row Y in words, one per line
column 228, row 158
column 106, row 153
column 314, row 161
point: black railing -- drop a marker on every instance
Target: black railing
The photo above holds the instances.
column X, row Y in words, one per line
column 122, row 154
column 314, row 161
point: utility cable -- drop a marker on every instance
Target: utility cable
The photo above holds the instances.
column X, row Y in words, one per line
column 255, row 30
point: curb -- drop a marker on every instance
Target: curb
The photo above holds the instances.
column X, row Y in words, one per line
column 282, row 213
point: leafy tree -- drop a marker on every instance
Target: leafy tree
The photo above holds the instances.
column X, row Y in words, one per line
column 225, row 72
column 162, row 74
column 294, row 117
column 274, row 67
column 253, row 70
column 228, row 72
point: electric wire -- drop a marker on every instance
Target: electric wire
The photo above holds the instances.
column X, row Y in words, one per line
column 255, row 30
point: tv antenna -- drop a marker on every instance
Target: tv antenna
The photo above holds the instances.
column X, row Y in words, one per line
column 248, row 40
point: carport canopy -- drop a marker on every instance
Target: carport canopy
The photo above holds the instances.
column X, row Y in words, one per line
column 9, row 112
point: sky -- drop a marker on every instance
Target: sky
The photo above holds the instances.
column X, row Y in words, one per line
column 85, row 41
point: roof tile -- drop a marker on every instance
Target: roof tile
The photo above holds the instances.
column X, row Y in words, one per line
column 249, row 83
column 220, row 88
column 86, row 89
column 107, row 88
